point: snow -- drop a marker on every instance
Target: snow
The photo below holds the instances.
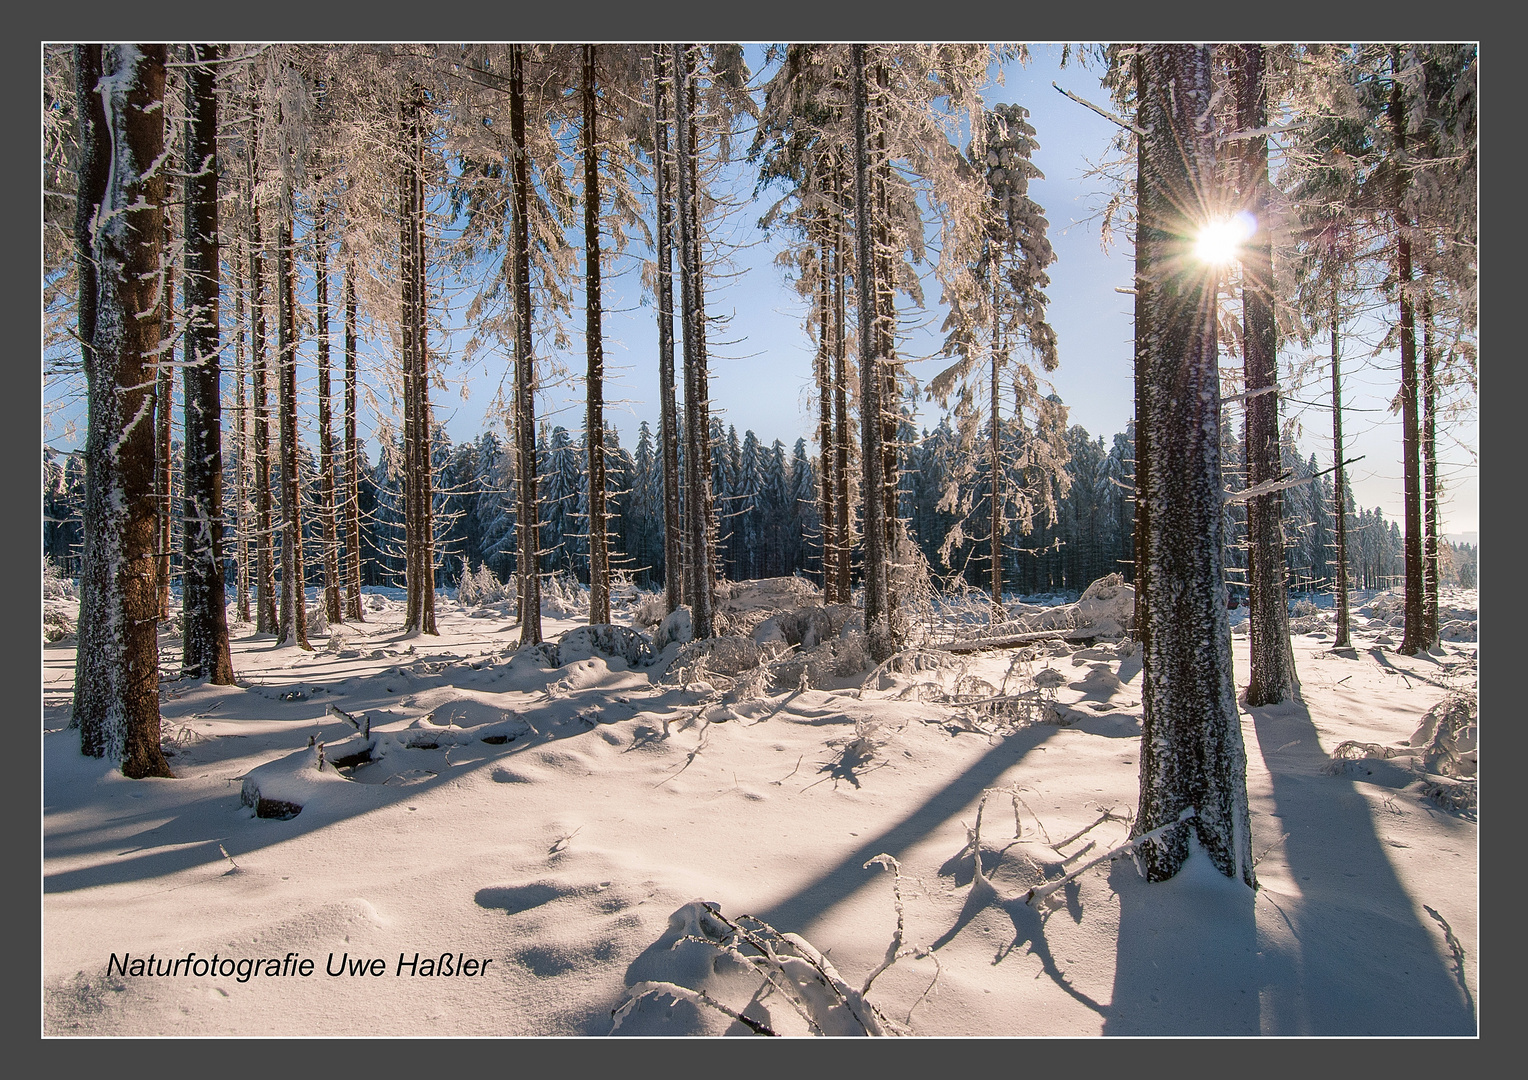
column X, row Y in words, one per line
column 591, row 831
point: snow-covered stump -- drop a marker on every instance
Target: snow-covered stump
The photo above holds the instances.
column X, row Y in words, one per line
column 280, row 789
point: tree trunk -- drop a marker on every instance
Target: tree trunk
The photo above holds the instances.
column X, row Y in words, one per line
column 594, row 385
column 164, row 451
column 266, row 621
column 352, row 458
column 1273, row 677
column 700, row 582
column 841, row 434
column 326, row 510
column 1192, row 757
column 1429, row 476
column 204, row 600
column 1414, row 637
column 119, row 230
column 877, row 599
column 418, row 466
column 241, row 447
column 673, row 562
column 526, row 557
column 1340, row 488
column 294, row 621
column 995, row 461
column 823, row 371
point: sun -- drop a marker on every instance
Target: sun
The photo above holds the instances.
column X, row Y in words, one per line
column 1219, row 242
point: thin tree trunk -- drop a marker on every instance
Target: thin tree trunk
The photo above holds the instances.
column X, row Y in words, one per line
column 877, row 613
column 1273, row 678
column 352, row 458
column 1414, row 637
column 205, row 652
column 241, row 446
column 1340, row 487
column 326, row 513
column 673, row 561
column 823, row 370
column 841, row 436
column 120, row 233
column 526, row 557
column 294, row 621
column 594, row 384
column 700, row 583
column 1429, row 476
column 164, row 393
column 1192, row 757
column 266, row 621
column 995, row 463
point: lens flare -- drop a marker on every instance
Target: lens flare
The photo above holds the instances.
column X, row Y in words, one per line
column 1220, row 242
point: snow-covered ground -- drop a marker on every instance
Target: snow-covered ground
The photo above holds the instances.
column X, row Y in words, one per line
column 530, row 846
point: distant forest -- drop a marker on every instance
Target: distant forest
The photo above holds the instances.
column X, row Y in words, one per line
column 769, row 514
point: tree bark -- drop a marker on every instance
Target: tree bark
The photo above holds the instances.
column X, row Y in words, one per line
column 1273, row 677
column 326, row 494
column 352, row 458
column 164, row 450
column 877, row 600
column 204, row 607
column 1414, row 637
column 120, row 232
column 594, row 384
column 241, row 446
column 995, row 462
column 266, row 621
column 700, row 583
column 841, row 435
column 823, row 371
column 668, row 434
column 294, row 621
column 526, row 558
column 1339, row 487
column 1429, row 476
column 1191, row 748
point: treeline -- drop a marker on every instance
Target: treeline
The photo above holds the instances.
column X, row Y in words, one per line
column 769, row 515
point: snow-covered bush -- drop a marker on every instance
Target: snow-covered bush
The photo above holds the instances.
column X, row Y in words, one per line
column 583, row 642
column 1302, row 608
column 564, row 596
column 482, row 586
column 649, row 610
column 54, row 585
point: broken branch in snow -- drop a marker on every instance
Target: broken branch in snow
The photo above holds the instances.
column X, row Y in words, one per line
column 1040, row 892
column 683, row 993
column 1457, row 950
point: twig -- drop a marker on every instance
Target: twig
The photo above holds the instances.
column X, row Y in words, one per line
column 790, row 774
column 684, row 993
column 1040, row 892
column 1105, row 113
column 1107, row 815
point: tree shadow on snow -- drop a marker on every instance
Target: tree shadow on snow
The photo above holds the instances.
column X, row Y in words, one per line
column 1363, row 963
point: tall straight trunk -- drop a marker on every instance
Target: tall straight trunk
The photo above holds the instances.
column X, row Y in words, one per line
column 1192, row 757
column 1339, row 486
column 1414, row 637
column 673, row 562
column 266, row 621
column 326, row 511
column 164, row 393
column 1429, row 476
column 886, row 322
column 294, row 620
column 418, row 467
column 119, row 232
column 526, row 557
column 995, row 461
column 205, row 652
column 823, row 370
column 594, row 383
column 241, row 447
column 1141, row 531
column 700, row 584
column 877, row 598
column 1273, row 677
column 352, row 458
column 841, row 434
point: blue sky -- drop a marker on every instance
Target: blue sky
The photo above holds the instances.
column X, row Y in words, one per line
column 761, row 361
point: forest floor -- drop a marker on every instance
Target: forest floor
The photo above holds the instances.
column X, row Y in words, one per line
column 522, row 846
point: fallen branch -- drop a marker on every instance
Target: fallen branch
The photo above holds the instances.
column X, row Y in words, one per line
column 684, row 993
column 1040, row 892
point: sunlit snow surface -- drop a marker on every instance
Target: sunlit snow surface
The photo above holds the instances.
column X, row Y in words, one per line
column 567, row 847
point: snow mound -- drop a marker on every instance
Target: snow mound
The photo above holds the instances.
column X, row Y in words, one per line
column 676, row 627
column 280, row 789
column 807, row 626
column 1105, row 609
column 607, row 641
